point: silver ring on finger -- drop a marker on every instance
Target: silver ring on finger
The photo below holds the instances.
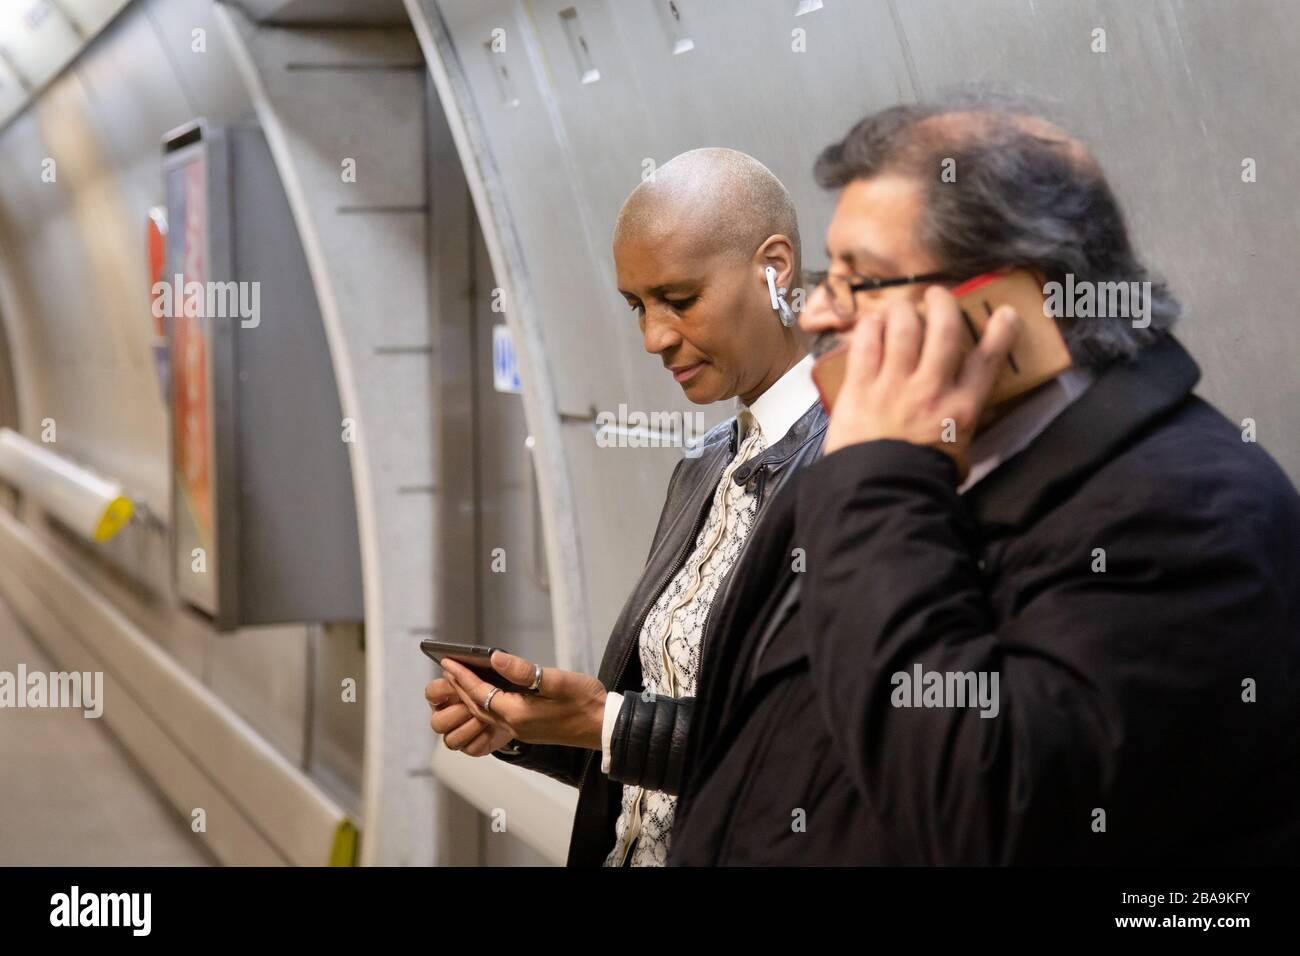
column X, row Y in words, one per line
column 487, row 701
column 536, row 686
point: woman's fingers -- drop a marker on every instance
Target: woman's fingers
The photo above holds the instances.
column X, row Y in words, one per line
column 448, row 718
column 457, row 739
column 473, row 692
column 561, row 713
column 438, row 692
column 481, row 745
column 514, row 668
column 462, row 692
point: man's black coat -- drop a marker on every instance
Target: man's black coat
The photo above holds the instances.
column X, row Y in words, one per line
column 1147, row 712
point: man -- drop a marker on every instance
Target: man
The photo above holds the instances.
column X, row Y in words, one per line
column 705, row 252
column 1107, row 572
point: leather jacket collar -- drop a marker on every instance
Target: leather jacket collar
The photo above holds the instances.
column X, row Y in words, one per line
column 690, row 493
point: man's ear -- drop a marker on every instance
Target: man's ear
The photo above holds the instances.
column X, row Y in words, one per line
column 778, row 252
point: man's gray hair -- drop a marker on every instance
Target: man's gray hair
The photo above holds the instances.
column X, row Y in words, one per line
column 1025, row 195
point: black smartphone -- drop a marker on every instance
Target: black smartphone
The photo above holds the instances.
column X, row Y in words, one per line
column 476, row 657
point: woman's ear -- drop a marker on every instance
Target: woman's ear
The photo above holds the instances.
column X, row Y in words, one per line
column 778, row 252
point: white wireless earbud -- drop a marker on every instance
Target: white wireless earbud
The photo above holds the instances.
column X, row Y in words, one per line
column 781, row 307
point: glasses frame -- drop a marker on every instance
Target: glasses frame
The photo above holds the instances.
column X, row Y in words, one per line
column 861, row 283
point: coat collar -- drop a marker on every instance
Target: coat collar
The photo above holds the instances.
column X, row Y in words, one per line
column 808, row 427
column 1125, row 398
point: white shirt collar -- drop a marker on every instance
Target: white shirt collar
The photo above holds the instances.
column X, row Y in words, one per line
column 1014, row 433
column 784, row 402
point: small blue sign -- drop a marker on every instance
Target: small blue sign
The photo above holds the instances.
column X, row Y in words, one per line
column 505, row 362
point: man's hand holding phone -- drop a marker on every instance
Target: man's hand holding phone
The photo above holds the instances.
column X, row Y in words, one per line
column 568, row 708
column 908, row 380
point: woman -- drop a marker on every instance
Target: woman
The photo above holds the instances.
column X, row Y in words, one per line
column 704, row 253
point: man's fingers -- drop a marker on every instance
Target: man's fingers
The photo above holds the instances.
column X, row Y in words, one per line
column 903, row 333
column 988, row 358
column 945, row 336
column 866, row 347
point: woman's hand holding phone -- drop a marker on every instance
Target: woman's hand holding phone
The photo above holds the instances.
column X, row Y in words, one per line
column 459, row 728
column 568, row 709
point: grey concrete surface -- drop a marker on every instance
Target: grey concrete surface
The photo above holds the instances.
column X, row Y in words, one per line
column 69, row 795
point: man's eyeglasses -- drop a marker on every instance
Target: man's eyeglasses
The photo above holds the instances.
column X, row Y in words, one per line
column 843, row 289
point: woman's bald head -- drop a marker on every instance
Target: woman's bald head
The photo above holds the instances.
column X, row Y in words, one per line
column 712, row 200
